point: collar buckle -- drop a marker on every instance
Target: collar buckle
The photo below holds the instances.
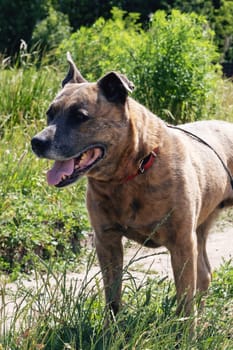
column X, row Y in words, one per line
column 154, row 154
column 144, row 164
column 141, row 169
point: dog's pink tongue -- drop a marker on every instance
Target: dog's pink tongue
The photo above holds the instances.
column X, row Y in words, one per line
column 59, row 169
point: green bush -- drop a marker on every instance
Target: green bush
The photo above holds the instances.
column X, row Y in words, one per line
column 177, row 67
column 107, row 45
column 220, row 17
column 223, row 26
column 49, row 32
column 173, row 63
column 51, row 234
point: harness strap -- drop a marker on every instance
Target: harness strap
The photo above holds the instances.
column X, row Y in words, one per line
column 206, row 144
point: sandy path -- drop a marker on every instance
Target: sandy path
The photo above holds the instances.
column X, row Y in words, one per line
column 219, row 248
column 157, row 261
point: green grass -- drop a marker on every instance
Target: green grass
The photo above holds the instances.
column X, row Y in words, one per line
column 57, row 313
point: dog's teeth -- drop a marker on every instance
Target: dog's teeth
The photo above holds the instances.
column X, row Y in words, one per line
column 63, row 177
column 84, row 155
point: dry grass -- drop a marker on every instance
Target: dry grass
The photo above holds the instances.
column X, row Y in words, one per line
column 225, row 92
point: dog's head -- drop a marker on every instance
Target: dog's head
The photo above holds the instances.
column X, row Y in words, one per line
column 85, row 122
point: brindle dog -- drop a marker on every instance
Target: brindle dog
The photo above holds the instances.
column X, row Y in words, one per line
column 146, row 181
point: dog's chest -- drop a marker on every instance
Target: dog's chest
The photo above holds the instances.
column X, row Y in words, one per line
column 137, row 213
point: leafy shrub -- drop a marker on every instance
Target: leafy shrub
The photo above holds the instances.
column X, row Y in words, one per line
column 50, row 235
column 176, row 67
column 171, row 64
column 49, row 32
column 223, row 25
column 106, row 45
column 220, row 16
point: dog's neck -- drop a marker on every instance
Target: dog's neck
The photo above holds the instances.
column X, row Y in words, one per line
column 145, row 134
column 148, row 130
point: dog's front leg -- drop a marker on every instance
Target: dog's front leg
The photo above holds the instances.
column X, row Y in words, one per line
column 110, row 254
column 184, row 263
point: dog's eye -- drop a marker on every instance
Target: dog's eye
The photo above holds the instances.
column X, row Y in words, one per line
column 82, row 115
column 77, row 116
column 50, row 114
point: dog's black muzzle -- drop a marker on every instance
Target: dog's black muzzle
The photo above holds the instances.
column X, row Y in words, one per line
column 41, row 142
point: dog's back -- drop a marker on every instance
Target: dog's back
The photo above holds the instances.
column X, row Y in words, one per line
column 209, row 146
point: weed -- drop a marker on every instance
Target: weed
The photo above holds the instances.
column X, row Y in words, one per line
column 62, row 313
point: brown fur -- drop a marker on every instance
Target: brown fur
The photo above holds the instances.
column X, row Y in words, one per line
column 172, row 204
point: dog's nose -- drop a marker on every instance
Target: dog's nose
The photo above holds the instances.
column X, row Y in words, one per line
column 39, row 146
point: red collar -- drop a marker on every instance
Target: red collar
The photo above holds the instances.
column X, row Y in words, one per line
column 144, row 165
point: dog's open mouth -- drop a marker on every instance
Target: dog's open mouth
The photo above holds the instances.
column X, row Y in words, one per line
column 65, row 172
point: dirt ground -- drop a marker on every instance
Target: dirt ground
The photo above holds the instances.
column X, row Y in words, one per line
column 219, row 248
column 140, row 260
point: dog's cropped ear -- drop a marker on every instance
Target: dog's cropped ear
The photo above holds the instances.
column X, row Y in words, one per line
column 73, row 75
column 115, row 87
